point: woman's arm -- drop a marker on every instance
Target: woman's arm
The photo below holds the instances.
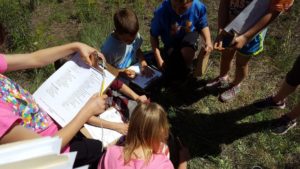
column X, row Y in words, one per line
column 46, row 56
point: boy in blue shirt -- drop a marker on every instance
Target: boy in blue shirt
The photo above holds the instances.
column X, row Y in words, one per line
column 178, row 23
column 122, row 48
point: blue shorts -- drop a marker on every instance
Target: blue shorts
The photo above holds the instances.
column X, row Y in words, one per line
column 254, row 47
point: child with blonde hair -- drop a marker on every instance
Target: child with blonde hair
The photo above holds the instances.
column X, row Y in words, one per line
column 148, row 130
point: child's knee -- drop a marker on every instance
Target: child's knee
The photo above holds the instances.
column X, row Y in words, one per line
column 188, row 54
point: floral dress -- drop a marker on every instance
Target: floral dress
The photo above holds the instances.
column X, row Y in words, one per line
column 23, row 105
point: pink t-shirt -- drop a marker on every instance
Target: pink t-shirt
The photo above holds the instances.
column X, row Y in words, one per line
column 7, row 118
column 13, row 111
column 113, row 158
column 3, row 63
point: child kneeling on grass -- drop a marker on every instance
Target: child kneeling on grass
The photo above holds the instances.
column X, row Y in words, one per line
column 122, row 47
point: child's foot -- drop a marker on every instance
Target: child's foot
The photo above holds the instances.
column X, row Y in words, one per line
column 218, row 82
column 284, row 125
column 230, row 93
column 269, row 103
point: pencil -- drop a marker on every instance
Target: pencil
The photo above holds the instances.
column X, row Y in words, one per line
column 102, row 86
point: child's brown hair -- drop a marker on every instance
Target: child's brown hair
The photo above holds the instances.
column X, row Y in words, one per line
column 148, row 128
column 126, row 22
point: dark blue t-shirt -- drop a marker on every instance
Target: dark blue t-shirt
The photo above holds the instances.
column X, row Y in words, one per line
column 172, row 27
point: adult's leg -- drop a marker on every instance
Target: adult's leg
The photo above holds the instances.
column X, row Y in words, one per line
column 295, row 113
column 284, row 91
column 292, row 80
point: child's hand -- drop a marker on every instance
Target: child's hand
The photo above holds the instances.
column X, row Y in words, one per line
column 129, row 73
column 85, row 52
column 239, row 42
column 95, row 57
column 219, row 42
column 146, row 71
column 142, row 99
column 161, row 65
column 95, row 105
column 122, row 128
column 209, row 47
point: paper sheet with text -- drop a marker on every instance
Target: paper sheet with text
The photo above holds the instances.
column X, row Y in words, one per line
column 67, row 90
column 106, row 136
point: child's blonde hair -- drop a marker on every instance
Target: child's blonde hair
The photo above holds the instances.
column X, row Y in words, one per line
column 148, row 128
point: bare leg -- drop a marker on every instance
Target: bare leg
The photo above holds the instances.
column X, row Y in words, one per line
column 202, row 61
column 184, row 156
column 283, row 92
column 241, row 71
column 295, row 113
column 226, row 59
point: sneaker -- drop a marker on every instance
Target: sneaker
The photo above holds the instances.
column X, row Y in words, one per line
column 284, row 125
column 269, row 103
column 230, row 93
column 218, row 82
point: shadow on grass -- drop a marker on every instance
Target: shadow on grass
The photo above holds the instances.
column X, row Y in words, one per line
column 204, row 134
column 182, row 94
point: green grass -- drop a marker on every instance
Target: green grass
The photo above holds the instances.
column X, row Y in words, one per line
column 219, row 135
